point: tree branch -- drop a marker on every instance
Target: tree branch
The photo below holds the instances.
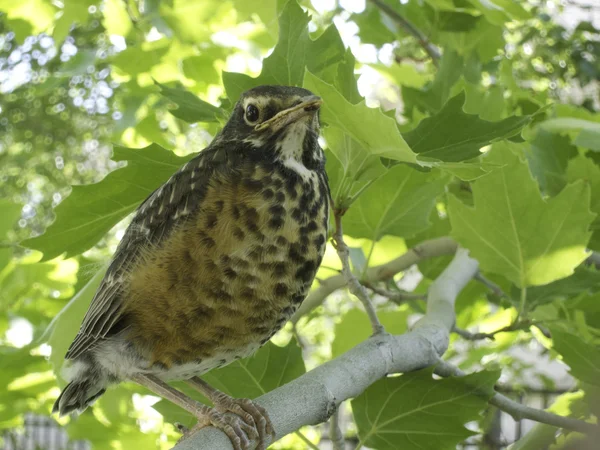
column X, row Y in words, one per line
column 314, row 397
column 335, row 432
column 354, row 285
column 519, row 411
column 398, row 298
column 497, row 290
column 429, row 48
column 425, row 250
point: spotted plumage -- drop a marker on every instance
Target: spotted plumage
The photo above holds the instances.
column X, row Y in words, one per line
column 217, row 259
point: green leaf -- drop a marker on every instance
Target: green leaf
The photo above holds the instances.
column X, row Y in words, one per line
column 10, row 214
column 440, row 226
column 452, row 135
column 398, row 203
column 582, row 168
column 355, row 328
column 21, row 281
column 403, row 74
column 201, row 69
column 548, row 159
column 369, row 127
column 345, row 79
column 584, row 279
column 371, row 27
column 266, row 10
column 294, row 52
column 589, row 139
column 92, row 210
column 416, row 412
column 189, row 107
column 351, row 168
column 432, row 98
column 141, row 58
column 587, row 131
column 469, row 170
column 512, row 231
column 189, row 18
column 22, row 10
column 500, row 11
column 487, row 102
column 272, row 366
column 78, row 64
column 74, row 11
column 581, row 357
column 269, row 368
column 457, row 22
column 116, row 20
column 62, row 330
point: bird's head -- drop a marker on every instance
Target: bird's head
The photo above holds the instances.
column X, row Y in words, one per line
column 282, row 121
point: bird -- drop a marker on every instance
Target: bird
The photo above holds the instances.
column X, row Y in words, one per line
column 213, row 263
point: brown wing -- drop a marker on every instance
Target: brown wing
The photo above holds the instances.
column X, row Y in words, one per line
column 168, row 206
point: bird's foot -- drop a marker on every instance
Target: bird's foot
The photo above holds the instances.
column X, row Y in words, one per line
column 237, row 430
column 252, row 414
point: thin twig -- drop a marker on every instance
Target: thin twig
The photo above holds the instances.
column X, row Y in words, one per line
column 519, row 325
column 429, row 48
column 354, row 285
column 594, row 260
column 427, row 249
column 497, row 290
column 398, row 298
column 306, row 440
column 466, row 334
column 335, row 432
column 519, row 411
column 515, row 326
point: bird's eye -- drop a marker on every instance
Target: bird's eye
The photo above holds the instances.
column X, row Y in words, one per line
column 252, row 113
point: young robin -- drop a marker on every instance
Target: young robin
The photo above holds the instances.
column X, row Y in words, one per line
column 214, row 262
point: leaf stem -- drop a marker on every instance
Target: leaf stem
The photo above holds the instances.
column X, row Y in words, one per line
column 360, row 191
column 306, row 440
column 522, row 303
column 364, row 271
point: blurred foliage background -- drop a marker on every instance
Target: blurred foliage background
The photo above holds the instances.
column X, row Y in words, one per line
column 78, row 77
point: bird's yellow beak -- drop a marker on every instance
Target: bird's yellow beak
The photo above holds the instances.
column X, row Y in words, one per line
column 308, row 106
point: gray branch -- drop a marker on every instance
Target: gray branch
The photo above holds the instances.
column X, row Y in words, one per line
column 425, row 250
column 312, row 398
column 335, row 432
column 519, row 411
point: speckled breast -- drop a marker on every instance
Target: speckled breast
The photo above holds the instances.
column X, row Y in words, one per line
column 230, row 277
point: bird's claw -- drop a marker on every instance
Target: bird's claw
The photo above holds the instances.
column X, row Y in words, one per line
column 246, row 422
column 255, row 416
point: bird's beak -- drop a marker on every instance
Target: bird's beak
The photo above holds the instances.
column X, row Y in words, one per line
column 309, row 106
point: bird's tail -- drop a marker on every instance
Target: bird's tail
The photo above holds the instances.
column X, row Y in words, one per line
column 85, row 387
